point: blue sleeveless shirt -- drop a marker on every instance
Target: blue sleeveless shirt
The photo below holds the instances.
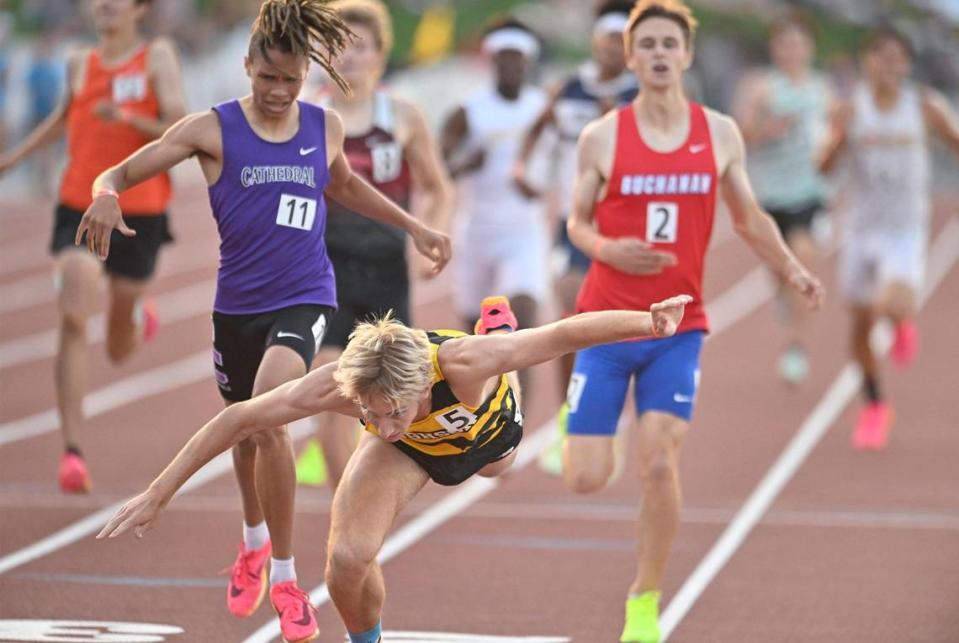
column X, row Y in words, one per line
column 269, row 209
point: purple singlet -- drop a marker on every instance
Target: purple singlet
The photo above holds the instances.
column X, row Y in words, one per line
column 269, row 209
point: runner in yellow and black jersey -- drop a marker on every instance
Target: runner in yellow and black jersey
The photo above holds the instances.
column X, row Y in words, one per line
column 478, row 434
column 437, row 405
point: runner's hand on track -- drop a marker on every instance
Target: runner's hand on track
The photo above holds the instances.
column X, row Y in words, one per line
column 434, row 246
column 139, row 513
column 807, row 286
column 635, row 257
column 100, row 219
column 667, row 314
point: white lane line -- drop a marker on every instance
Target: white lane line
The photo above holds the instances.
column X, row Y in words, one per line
column 95, row 521
column 181, row 304
column 728, row 308
column 36, row 290
column 721, row 307
column 172, row 307
column 196, row 367
column 412, row 531
column 942, row 256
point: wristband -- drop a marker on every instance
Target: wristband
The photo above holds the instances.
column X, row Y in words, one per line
column 106, row 192
column 598, row 246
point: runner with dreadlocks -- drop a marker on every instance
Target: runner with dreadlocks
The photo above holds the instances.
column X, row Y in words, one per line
column 269, row 160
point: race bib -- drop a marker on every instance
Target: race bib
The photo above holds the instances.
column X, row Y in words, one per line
column 296, row 212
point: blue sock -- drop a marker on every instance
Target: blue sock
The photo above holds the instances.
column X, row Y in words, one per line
column 371, row 635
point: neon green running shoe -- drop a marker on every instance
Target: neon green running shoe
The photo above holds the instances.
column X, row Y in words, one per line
column 311, row 465
column 642, row 619
column 551, row 457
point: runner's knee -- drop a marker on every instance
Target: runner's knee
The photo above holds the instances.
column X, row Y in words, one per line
column 657, row 470
column 349, row 559
column 586, row 479
column 271, row 438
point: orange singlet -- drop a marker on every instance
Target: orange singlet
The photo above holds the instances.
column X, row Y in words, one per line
column 93, row 144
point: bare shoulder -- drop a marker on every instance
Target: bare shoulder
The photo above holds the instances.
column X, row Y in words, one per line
column 200, row 130
column 76, row 63
column 334, row 126
column 726, row 136
column 932, row 99
column 410, row 120
column 162, row 51
column 600, row 135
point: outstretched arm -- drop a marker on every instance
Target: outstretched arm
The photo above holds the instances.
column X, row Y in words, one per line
column 941, row 119
column 478, row 357
column 196, row 133
column 354, row 193
column 51, row 127
column 753, row 224
column 306, row 396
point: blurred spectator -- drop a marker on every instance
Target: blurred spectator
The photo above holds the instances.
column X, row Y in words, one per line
column 45, row 77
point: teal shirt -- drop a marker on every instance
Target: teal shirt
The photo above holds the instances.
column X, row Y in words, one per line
column 783, row 171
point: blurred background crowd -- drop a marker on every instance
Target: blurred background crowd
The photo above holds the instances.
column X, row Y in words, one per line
column 435, row 61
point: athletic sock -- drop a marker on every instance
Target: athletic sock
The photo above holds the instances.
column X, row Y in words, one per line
column 371, row 635
column 256, row 536
column 870, row 386
column 282, row 571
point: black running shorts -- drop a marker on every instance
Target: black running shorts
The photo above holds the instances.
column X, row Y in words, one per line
column 451, row 470
column 130, row 257
column 366, row 290
column 239, row 342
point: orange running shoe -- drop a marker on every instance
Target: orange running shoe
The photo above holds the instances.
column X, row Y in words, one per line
column 872, row 427
column 73, row 475
column 495, row 314
column 151, row 321
column 905, row 344
column 248, row 580
column 292, row 605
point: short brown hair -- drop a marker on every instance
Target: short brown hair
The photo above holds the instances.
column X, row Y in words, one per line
column 373, row 15
column 674, row 10
column 793, row 18
column 887, row 33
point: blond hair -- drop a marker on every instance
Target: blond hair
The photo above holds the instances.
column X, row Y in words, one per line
column 373, row 15
column 675, row 10
column 385, row 358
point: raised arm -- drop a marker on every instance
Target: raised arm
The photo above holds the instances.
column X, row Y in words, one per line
column 51, row 127
column 434, row 195
column 832, row 148
column 941, row 119
column 354, row 193
column 476, row 358
column 460, row 158
column 546, row 118
column 195, row 134
column 750, row 221
column 314, row 393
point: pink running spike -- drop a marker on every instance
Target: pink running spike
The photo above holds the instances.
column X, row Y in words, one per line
column 292, row 605
column 905, row 345
column 72, row 475
column 872, row 427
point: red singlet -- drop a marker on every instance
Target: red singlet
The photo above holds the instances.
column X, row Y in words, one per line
column 667, row 199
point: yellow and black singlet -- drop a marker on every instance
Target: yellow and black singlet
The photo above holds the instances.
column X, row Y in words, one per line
column 452, row 427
